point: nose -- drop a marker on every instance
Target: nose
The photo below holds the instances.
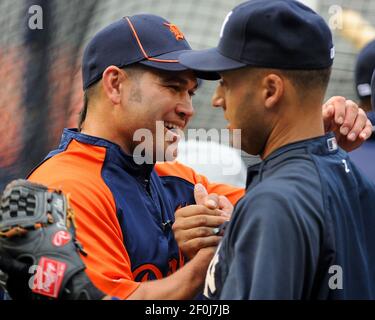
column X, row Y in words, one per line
column 185, row 109
column 217, row 99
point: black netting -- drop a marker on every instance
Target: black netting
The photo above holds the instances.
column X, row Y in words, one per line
column 39, row 68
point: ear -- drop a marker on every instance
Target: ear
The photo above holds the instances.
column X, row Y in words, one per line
column 217, row 99
column 113, row 78
column 273, row 89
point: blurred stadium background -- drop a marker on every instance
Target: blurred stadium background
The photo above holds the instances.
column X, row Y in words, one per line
column 40, row 90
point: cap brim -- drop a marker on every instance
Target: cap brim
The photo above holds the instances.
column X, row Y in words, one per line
column 176, row 66
column 209, row 61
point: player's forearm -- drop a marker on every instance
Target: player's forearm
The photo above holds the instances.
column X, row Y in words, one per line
column 186, row 283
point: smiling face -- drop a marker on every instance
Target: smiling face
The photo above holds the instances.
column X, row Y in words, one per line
column 152, row 96
column 239, row 93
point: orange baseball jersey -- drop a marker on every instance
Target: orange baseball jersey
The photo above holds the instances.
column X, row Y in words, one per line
column 124, row 211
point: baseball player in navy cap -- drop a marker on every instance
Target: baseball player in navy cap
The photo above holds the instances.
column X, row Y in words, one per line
column 124, row 208
column 364, row 156
column 305, row 228
column 364, row 67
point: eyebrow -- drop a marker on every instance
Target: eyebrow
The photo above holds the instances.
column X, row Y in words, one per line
column 180, row 80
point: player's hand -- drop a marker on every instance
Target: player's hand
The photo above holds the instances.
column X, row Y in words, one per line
column 197, row 226
column 212, row 200
column 348, row 122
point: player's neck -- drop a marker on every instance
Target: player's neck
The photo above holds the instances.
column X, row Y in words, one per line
column 95, row 126
column 294, row 126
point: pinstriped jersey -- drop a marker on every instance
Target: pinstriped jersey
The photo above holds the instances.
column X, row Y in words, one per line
column 304, row 230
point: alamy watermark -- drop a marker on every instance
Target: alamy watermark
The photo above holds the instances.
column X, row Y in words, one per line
column 35, row 21
column 164, row 146
column 335, row 21
column 335, row 282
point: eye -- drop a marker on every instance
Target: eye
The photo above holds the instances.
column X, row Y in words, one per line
column 221, row 82
column 192, row 93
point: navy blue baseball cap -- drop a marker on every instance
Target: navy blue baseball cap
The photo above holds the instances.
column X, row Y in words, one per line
column 364, row 68
column 280, row 34
column 143, row 38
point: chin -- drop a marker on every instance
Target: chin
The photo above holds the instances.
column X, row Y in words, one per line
column 251, row 148
column 170, row 152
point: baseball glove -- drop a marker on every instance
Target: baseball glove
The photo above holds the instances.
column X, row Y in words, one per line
column 39, row 253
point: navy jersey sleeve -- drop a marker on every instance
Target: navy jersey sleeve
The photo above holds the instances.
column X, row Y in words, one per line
column 272, row 247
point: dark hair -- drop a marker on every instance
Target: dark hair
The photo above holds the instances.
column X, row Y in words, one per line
column 87, row 94
column 83, row 112
column 305, row 80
